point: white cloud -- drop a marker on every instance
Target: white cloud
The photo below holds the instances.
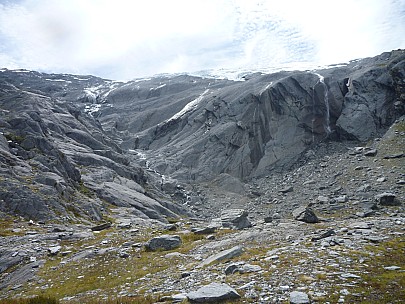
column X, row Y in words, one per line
column 125, row 38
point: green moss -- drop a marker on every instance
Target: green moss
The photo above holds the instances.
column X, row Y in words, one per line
column 14, row 137
column 85, row 190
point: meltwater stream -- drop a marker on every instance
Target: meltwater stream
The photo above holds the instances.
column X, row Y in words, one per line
column 326, row 102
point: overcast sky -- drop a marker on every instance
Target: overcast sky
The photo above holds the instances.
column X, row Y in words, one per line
column 124, row 39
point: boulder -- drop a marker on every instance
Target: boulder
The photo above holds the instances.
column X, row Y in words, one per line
column 213, row 293
column 54, row 250
column 101, row 227
column 297, row 297
column 305, row 214
column 205, row 230
column 163, row 242
column 387, row 199
column 223, row 255
column 235, row 219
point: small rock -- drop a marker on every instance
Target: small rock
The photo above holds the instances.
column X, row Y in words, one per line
column 124, row 254
column 392, row 268
column 213, row 293
column 360, row 225
column 287, row 189
column 101, row 227
column 124, row 225
column 370, row 152
column 232, row 268
column 185, row 274
column 341, row 199
column 374, row 238
column 205, row 230
column 171, row 227
column 54, row 250
column 363, row 188
column 247, row 268
column 349, row 276
column 322, row 199
column 326, row 234
column 298, row 297
column 396, row 155
column 381, row 179
column 180, row 297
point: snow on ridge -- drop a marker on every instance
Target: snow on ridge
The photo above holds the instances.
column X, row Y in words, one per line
column 158, row 87
column 266, row 88
column 188, row 107
column 321, row 78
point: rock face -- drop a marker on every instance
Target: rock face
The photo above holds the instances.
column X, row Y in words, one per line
column 213, row 293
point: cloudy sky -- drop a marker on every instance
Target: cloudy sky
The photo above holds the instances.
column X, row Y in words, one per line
column 124, row 39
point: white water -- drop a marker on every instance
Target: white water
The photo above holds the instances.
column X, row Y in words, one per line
column 326, row 101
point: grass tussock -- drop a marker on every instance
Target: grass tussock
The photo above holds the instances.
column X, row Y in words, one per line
column 380, row 285
column 34, row 300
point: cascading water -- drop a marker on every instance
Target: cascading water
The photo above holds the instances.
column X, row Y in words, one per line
column 326, row 102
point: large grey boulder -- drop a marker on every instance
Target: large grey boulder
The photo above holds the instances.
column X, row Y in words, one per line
column 387, row 199
column 235, row 219
column 213, row 293
column 305, row 214
column 163, row 242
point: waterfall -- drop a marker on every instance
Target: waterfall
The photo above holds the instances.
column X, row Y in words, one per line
column 326, row 102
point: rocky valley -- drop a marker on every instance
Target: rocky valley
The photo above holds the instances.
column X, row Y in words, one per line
column 275, row 188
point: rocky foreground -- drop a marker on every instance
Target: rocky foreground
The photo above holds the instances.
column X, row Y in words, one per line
column 329, row 231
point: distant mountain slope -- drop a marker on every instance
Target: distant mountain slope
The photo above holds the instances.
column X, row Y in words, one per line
column 194, row 129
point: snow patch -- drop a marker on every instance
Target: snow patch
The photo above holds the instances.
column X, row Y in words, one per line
column 82, row 79
column 266, row 88
column 57, row 80
column 189, row 107
column 158, row 87
column 92, row 109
